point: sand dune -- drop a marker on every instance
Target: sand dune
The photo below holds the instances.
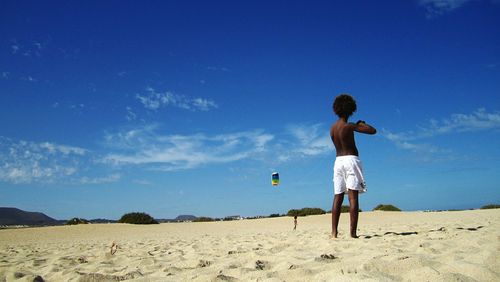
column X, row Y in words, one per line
column 393, row 246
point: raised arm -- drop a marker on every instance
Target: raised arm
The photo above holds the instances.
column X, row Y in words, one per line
column 362, row 127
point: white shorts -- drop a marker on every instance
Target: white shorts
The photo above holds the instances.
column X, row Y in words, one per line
column 348, row 175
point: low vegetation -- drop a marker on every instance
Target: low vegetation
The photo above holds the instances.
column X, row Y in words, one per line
column 486, row 207
column 386, row 208
column 137, row 218
column 346, row 209
column 203, row 219
column 305, row 212
column 76, row 220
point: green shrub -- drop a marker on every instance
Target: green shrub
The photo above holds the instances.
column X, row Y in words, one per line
column 386, row 208
column 203, row 219
column 305, row 212
column 275, row 215
column 137, row 218
column 76, row 220
column 490, row 207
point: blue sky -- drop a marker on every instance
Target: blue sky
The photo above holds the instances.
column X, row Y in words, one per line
column 187, row 107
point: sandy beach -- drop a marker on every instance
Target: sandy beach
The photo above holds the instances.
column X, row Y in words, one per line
column 393, row 246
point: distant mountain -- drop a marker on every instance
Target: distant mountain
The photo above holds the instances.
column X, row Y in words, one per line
column 13, row 216
column 185, row 217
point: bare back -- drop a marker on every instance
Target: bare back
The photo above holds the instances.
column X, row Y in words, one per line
column 342, row 135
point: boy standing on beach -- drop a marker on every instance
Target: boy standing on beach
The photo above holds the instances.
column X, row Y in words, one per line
column 347, row 171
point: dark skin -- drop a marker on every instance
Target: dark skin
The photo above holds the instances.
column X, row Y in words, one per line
column 342, row 135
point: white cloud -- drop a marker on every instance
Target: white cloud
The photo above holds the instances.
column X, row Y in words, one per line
column 175, row 152
column 312, row 140
column 203, row 104
column 100, row 180
column 438, row 7
column 28, row 162
column 26, row 48
column 456, row 123
column 407, row 141
column 130, row 114
column 65, row 150
column 154, row 100
column 145, row 147
column 478, row 120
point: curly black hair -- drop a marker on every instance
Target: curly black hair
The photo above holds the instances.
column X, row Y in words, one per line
column 344, row 105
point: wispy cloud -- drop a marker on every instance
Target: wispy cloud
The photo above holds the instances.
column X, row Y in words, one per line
column 408, row 142
column 145, row 147
column 53, row 149
column 478, row 120
column 307, row 140
column 154, row 100
column 175, row 152
column 100, row 180
column 27, row 162
column 436, row 8
column 130, row 114
column 456, row 123
column 30, row 79
column 26, row 48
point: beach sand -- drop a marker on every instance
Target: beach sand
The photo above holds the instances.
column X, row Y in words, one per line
column 393, row 246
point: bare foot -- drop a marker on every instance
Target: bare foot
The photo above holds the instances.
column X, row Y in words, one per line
column 333, row 235
column 354, row 236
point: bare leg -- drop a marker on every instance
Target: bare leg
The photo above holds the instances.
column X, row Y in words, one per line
column 337, row 204
column 353, row 211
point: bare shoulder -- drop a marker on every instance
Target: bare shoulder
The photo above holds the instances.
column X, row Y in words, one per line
column 333, row 127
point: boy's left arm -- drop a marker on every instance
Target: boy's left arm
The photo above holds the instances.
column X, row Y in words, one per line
column 362, row 127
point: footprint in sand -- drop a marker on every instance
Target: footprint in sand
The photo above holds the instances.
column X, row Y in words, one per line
column 326, row 257
column 260, row 265
column 39, row 262
column 204, row 263
column 222, row 277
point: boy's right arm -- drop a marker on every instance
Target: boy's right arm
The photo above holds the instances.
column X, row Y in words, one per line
column 363, row 127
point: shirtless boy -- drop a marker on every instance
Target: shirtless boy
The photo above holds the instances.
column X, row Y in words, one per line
column 347, row 171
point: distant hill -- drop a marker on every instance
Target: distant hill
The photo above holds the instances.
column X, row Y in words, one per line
column 185, row 217
column 13, row 216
